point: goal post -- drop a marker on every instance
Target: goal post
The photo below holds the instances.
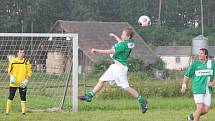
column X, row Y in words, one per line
column 54, row 59
column 75, row 75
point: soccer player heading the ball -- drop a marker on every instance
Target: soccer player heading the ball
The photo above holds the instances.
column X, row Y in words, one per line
column 117, row 72
column 19, row 70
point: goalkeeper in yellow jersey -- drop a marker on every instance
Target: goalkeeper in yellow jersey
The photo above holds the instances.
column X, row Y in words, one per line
column 19, row 70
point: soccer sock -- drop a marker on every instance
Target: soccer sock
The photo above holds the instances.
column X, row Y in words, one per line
column 8, row 106
column 191, row 116
column 140, row 99
column 23, row 106
column 90, row 94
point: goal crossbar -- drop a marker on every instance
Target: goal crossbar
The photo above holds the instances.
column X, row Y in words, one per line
column 39, row 35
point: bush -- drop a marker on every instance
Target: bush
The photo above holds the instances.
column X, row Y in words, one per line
column 175, row 74
column 158, row 64
column 136, row 64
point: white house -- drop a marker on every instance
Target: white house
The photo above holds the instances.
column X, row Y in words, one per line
column 178, row 57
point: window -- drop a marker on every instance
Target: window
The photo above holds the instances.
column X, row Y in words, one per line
column 177, row 60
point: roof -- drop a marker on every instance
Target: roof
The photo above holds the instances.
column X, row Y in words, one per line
column 179, row 50
column 93, row 34
column 200, row 37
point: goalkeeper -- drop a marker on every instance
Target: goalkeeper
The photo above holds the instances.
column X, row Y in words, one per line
column 117, row 72
column 19, row 70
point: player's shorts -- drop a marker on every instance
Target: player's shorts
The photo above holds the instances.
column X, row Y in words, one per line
column 203, row 98
column 116, row 74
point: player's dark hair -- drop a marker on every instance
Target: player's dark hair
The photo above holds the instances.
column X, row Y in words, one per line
column 21, row 49
column 205, row 51
column 129, row 32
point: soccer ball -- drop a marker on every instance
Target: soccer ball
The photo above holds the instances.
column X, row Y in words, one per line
column 144, row 21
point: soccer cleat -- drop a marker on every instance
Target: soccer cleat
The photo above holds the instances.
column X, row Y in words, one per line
column 144, row 106
column 190, row 117
column 23, row 113
column 85, row 98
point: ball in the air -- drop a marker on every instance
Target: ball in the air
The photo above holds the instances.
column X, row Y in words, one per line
column 144, row 21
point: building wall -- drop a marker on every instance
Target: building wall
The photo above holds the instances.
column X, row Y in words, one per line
column 170, row 62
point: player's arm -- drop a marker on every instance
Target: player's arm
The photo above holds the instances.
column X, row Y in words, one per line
column 12, row 78
column 115, row 37
column 184, row 84
column 211, row 84
column 9, row 68
column 117, row 48
column 23, row 84
column 110, row 51
column 190, row 72
column 29, row 70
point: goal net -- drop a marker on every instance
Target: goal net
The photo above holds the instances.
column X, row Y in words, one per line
column 54, row 60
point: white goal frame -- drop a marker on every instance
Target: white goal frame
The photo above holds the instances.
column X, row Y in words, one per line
column 73, row 37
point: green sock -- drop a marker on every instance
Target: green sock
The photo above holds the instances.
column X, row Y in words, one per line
column 191, row 116
column 140, row 99
column 90, row 94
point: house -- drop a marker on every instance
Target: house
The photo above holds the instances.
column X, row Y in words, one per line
column 93, row 34
column 178, row 57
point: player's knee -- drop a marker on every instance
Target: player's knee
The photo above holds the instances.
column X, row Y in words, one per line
column 11, row 97
column 101, row 81
column 127, row 88
column 11, row 94
column 206, row 110
column 23, row 97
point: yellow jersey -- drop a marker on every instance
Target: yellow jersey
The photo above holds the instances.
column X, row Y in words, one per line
column 20, row 69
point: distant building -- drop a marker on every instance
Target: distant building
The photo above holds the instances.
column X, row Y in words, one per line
column 96, row 35
column 178, row 57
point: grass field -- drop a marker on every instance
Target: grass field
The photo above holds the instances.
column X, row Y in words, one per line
column 160, row 109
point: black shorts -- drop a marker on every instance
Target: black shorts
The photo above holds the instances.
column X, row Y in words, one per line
column 22, row 92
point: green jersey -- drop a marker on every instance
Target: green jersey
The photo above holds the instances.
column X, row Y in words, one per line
column 123, row 50
column 201, row 74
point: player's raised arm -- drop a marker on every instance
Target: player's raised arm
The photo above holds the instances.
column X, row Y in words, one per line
column 110, row 51
column 115, row 37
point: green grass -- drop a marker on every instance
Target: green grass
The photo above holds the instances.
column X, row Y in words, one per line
column 160, row 109
column 123, row 115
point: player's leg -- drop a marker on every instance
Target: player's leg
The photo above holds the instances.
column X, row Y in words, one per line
column 22, row 92
column 132, row 91
column 12, row 92
column 122, row 81
column 207, row 103
column 198, row 112
column 204, row 110
column 98, row 87
column 108, row 75
column 90, row 94
column 143, row 102
column 199, row 101
column 205, row 100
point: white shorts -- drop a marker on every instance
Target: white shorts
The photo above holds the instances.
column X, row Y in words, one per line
column 203, row 98
column 116, row 74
